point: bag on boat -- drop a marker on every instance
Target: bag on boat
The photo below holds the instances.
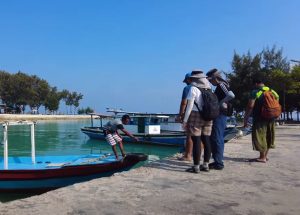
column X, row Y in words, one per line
column 210, row 109
column 271, row 109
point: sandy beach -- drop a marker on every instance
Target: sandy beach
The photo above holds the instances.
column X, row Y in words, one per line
column 36, row 117
column 163, row 187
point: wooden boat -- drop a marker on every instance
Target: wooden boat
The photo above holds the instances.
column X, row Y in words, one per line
column 145, row 126
column 43, row 173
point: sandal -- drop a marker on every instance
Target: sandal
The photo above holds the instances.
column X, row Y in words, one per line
column 184, row 159
column 257, row 160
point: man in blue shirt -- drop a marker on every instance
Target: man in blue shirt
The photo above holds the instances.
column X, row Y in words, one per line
column 189, row 146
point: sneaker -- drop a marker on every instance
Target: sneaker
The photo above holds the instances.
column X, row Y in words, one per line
column 215, row 166
column 193, row 170
column 204, row 168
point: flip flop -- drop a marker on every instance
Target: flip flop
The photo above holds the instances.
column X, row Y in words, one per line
column 257, row 160
column 184, row 159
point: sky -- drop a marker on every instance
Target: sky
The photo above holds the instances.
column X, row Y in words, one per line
column 134, row 54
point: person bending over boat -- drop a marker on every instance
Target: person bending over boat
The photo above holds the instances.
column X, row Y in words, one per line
column 112, row 136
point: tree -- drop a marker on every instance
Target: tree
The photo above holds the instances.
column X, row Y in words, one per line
column 76, row 98
column 271, row 66
column 18, row 90
column 65, row 97
column 39, row 92
column 244, row 67
column 52, row 100
column 87, row 110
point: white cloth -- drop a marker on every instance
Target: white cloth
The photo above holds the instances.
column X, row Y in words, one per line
column 193, row 95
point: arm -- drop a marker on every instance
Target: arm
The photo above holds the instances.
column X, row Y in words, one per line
column 248, row 112
column 229, row 96
column 129, row 134
column 180, row 116
column 189, row 107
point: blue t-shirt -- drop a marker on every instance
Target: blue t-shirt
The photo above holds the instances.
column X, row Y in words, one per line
column 185, row 91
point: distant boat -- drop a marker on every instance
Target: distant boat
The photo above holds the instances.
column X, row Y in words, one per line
column 145, row 126
column 234, row 131
column 43, row 173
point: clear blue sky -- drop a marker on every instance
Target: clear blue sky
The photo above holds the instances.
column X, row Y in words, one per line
column 133, row 54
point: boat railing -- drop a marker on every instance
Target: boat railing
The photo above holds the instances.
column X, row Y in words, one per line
column 5, row 139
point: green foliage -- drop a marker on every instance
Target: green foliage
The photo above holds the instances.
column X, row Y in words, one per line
column 270, row 66
column 87, row 110
column 52, row 100
column 20, row 89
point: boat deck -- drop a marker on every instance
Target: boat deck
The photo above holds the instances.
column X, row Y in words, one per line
column 50, row 162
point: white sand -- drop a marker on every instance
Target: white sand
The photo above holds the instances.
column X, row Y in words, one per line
column 35, row 117
column 165, row 188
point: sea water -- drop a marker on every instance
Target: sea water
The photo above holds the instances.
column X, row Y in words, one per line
column 64, row 137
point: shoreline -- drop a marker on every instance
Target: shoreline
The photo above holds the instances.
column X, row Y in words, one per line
column 34, row 117
column 163, row 186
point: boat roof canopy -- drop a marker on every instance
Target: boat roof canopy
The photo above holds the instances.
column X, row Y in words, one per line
column 140, row 114
column 101, row 115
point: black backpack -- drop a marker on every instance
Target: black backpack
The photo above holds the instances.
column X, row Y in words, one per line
column 210, row 108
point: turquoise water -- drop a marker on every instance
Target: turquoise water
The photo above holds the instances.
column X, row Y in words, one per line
column 65, row 138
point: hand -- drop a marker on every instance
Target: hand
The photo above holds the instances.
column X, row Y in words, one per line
column 178, row 118
column 184, row 126
column 224, row 105
column 135, row 139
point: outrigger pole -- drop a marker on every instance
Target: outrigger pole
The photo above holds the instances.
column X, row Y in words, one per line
column 5, row 139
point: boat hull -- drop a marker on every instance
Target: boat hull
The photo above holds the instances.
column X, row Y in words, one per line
column 175, row 138
column 43, row 178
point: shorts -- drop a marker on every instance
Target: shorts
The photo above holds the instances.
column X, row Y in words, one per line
column 197, row 126
column 112, row 139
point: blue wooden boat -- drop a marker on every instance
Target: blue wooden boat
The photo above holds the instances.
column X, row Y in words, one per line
column 43, row 173
column 145, row 126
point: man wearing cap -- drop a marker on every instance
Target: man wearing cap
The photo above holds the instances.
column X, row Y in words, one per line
column 195, row 125
column 189, row 145
column 219, row 124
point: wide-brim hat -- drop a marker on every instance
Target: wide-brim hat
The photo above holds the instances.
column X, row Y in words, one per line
column 215, row 74
column 198, row 75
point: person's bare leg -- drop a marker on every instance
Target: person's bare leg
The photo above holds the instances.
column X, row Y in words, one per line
column 122, row 148
column 114, row 148
column 189, row 148
column 266, row 155
column 262, row 157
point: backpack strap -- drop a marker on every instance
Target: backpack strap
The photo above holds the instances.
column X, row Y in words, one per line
column 196, row 103
column 197, row 106
column 264, row 89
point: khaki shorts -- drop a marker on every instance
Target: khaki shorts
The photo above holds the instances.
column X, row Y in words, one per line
column 197, row 126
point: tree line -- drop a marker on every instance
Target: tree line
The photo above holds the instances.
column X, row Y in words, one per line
column 271, row 66
column 20, row 90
